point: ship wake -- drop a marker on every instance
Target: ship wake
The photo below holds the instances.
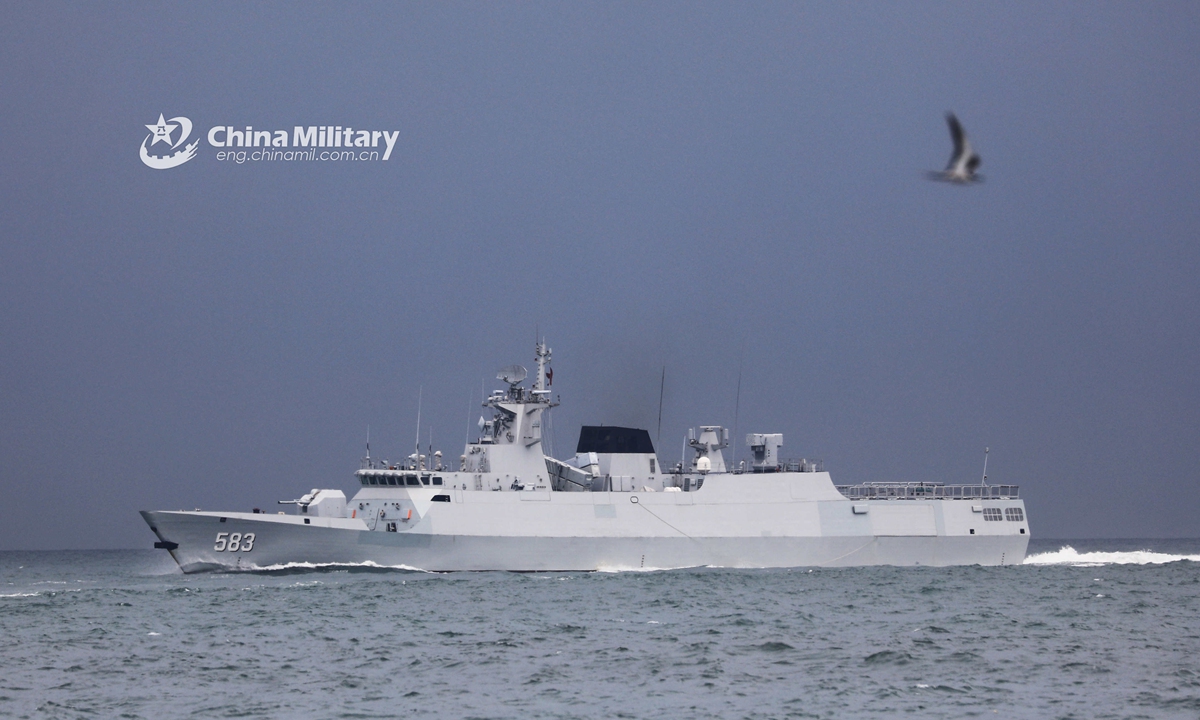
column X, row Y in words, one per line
column 1067, row 555
column 307, row 567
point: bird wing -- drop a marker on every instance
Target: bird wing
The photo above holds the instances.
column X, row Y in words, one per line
column 957, row 135
column 974, row 162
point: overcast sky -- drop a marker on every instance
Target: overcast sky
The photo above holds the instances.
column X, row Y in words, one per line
column 717, row 189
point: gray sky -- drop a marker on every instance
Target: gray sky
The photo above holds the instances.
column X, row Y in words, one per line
column 704, row 187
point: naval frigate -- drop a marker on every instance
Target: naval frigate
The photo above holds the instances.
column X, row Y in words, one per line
column 507, row 505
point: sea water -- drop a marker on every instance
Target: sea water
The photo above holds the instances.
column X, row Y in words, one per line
column 1097, row 629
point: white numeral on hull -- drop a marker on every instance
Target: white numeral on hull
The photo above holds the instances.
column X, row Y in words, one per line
column 234, row 542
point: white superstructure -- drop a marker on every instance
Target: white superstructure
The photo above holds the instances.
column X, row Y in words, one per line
column 506, row 505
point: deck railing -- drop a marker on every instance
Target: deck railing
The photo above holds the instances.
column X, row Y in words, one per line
column 925, row 491
column 792, row 465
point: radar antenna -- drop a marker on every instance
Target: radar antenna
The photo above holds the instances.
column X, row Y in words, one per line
column 513, row 374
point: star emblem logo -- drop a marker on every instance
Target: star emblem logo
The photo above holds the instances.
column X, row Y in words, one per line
column 161, row 131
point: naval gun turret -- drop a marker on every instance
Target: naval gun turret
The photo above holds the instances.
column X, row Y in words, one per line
column 320, row 503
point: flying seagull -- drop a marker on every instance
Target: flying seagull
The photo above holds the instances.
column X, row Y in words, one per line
column 964, row 161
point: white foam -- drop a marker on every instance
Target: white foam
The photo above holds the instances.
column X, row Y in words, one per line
column 32, row 594
column 333, row 566
column 1067, row 555
column 630, row 569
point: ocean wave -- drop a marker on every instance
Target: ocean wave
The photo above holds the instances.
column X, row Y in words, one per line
column 303, row 566
column 1067, row 555
column 632, row 569
column 647, row 568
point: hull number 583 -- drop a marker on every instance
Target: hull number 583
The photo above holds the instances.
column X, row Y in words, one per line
column 234, row 542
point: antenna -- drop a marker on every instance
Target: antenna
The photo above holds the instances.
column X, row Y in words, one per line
column 737, row 403
column 736, row 407
column 470, row 399
column 662, row 384
column 512, row 374
column 985, row 454
column 368, row 442
column 420, row 392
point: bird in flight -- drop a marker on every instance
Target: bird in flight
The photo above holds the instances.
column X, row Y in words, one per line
column 964, row 161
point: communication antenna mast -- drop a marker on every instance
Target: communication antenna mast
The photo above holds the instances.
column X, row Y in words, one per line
column 662, row 384
column 737, row 403
column 738, row 398
column 985, row 454
column 420, row 392
column 368, row 443
column 470, row 399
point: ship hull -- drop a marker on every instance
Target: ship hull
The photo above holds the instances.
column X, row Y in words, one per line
column 605, row 531
column 329, row 547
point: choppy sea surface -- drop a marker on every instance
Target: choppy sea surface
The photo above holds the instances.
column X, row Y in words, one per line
column 1084, row 629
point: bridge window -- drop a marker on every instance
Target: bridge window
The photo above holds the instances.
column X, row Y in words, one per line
column 411, row 481
column 374, row 480
column 365, row 479
column 424, row 479
column 1015, row 514
column 992, row 514
column 391, row 481
column 437, row 481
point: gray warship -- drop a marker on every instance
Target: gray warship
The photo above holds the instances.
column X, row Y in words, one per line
column 506, row 505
